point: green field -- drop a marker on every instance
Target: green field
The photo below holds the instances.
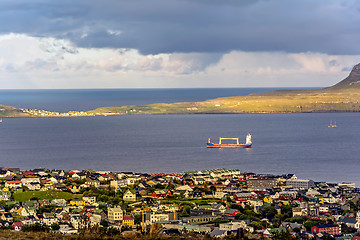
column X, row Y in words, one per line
column 49, row 195
column 347, row 100
column 6, row 111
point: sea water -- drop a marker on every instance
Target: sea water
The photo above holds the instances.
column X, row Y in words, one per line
column 302, row 144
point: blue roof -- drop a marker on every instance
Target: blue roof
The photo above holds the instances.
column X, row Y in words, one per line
column 326, row 225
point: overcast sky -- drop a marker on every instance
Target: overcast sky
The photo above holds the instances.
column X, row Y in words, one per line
column 177, row 43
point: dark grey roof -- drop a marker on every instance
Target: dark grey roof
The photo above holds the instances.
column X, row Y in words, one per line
column 217, row 232
column 348, row 220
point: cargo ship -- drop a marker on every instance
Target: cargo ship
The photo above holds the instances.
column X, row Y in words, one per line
column 247, row 144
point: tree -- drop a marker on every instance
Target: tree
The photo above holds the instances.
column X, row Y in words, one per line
column 268, row 212
column 170, row 186
column 283, row 235
column 103, row 207
column 55, row 226
column 240, row 216
column 47, row 208
column 286, row 212
column 310, row 223
column 237, row 206
column 37, row 227
column 104, row 223
column 353, row 206
column 346, row 229
column 217, row 221
column 276, row 221
column 328, row 237
column 256, row 225
column 159, row 186
column 138, row 219
column 185, row 211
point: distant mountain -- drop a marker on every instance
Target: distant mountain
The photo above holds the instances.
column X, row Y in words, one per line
column 351, row 82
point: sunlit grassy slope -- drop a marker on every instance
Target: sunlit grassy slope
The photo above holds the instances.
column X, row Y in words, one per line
column 6, row 111
column 283, row 101
column 342, row 97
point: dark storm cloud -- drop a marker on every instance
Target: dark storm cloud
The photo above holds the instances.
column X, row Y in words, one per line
column 165, row 26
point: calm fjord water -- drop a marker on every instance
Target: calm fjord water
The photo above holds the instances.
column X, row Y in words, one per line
column 282, row 143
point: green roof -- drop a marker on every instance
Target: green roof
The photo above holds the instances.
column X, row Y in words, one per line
column 204, row 206
column 162, row 191
column 273, row 230
column 130, row 190
column 11, row 203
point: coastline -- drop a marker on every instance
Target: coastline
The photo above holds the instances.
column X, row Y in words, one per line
column 275, row 102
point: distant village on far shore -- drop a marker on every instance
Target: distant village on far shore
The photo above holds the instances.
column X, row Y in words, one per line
column 219, row 203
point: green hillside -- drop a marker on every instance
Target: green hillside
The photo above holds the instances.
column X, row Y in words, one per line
column 342, row 97
column 275, row 102
column 6, row 111
column 351, row 82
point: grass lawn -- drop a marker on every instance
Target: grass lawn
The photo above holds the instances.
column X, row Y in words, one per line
column 49, row 195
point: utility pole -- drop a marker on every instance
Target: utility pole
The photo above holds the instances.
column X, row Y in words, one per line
column 142, row 221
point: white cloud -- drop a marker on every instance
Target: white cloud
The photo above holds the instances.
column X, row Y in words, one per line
column 114, row 32
column 32, row 62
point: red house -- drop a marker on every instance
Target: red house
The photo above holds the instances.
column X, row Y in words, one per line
column 327, row 228
column 13, row 184
column 232, row 212
column 284, row 197
column 161, row 193
column 243, row 197
column 17, row 226
column 43, row 203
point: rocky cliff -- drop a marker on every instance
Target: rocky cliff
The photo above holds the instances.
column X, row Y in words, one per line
column 352, row 81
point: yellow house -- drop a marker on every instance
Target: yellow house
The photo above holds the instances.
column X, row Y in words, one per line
column 127, row 220
column 74, row 189
column 129, row 195
column 77, row 202
column 137, row 210
column 321, row 200
column 19, row 210
column 101, row 178
column 268, row 199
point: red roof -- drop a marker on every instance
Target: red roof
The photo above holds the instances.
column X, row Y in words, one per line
column 127, row 218
column 157, row 174
column 10, row 182
column 19, row 224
